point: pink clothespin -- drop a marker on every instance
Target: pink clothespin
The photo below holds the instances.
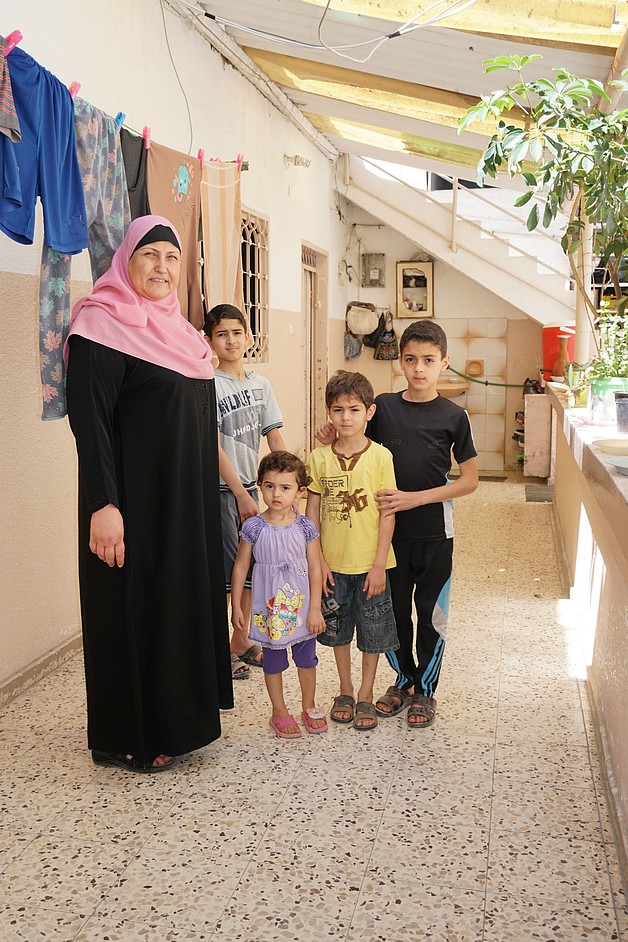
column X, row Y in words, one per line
column 11, row 41
column 239, row 160
column 201, row 157
column 146, row 136
column 74, row 89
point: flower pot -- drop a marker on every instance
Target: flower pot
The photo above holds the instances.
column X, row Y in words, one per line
column 601, row 398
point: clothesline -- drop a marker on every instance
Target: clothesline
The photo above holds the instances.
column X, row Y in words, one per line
column 15, row 37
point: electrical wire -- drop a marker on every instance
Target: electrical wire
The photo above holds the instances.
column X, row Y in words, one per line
column 187, row 103
column 453, row 8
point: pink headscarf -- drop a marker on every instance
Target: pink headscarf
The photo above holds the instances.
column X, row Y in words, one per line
column 116, row 316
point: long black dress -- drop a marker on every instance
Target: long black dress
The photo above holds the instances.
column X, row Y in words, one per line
column 155, row 633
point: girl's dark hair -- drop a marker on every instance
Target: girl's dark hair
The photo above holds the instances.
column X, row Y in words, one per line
column 344, row 383
column 283, row 461
column 425, row 331
column 223, row 312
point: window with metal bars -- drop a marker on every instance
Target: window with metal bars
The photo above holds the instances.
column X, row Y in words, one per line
column 255, row 282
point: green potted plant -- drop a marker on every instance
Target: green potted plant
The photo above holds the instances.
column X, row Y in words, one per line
column 608, row 372
column 572, row 157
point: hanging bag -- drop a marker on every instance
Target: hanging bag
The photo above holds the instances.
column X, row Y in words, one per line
column 387, row 347
column 352, row 346
column 370, row 340
column 361, row 318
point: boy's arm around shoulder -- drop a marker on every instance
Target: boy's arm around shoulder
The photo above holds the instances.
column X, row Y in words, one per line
column 391, row 502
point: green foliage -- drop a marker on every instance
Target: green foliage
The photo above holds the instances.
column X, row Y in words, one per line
column 574, row 149
column 612, row 359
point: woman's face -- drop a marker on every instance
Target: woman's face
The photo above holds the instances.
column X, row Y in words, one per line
column 154, row 270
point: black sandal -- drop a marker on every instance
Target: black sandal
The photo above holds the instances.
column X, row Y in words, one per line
column 396, row 698
column 134, row 764
column 422, row 706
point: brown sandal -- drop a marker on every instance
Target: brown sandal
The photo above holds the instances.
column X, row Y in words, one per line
column 422, row 706
column 342, row 704
column 396, row 698
column 365, row 711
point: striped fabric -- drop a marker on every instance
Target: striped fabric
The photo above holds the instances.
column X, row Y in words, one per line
column 9, row 122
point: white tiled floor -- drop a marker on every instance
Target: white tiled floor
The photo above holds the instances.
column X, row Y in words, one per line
column 490, row 826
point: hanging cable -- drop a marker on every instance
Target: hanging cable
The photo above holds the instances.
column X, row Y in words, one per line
column 452, row 8
column 187, row 103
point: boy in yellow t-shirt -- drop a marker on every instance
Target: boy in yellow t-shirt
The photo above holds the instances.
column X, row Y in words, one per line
column 355, row 542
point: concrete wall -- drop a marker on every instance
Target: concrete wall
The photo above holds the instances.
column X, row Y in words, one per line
column 591, row 510
column 478, row 325
column 118, row 52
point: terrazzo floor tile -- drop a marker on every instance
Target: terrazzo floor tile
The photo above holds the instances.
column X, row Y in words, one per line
column 563, row 871
column 556, row 725
column 64, row 876
column 565, row 767
column 392, row 911
column 112, row 817
column 514, row 918
column 292, row 903
column 164, row 891
column 453, row 855
column 204, row 832
column 533, row 809
column 22, row 923
column 97, row 929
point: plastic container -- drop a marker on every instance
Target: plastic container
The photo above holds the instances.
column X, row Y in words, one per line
column 621, row 405
column 551, row 345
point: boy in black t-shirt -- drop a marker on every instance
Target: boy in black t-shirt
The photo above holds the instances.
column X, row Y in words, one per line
column 420, row 428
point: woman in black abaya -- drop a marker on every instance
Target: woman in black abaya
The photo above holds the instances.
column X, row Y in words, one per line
column 142, row 409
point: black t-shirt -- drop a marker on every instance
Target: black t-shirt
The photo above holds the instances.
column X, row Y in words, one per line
column 421, row 436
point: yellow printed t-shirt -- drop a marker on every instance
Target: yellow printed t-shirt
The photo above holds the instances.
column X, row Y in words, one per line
column 349, row 521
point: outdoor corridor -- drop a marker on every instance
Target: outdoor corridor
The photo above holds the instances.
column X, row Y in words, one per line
column 490, row 826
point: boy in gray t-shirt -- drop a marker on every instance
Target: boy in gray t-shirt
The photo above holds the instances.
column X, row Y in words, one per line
column 247, row 409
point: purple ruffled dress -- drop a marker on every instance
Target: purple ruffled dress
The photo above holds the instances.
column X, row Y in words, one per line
column 281, row 589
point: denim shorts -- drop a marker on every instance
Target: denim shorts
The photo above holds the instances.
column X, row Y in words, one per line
column 231, row 526
column 372, row 618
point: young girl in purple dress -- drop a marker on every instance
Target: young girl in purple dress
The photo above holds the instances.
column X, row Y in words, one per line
column 286, row 593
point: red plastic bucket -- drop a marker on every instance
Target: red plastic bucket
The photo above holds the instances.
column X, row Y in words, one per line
column 551, row 345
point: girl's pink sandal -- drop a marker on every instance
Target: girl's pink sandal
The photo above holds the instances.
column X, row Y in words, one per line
column 279, row 723
column 314, row 713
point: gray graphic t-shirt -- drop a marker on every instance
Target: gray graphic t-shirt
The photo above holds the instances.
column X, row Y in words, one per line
column 247, row 409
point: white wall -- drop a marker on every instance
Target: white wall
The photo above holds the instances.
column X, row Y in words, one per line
column 118, row 52
column 476, row 322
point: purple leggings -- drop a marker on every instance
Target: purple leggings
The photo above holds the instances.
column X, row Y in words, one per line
column 303, row 655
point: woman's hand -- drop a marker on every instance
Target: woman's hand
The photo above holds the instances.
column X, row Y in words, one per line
column 106, row 535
